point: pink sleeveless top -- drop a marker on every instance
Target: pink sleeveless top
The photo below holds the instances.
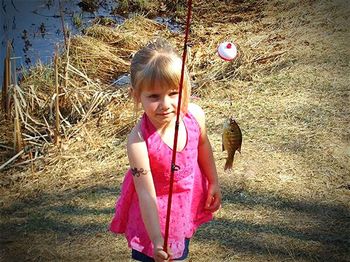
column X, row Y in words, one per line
column 189, row 192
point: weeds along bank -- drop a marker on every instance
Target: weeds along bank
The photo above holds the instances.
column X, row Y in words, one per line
column 85, row 103
column 87, row 100
column 288, row 195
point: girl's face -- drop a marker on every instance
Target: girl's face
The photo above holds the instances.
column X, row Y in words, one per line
column 160, row 105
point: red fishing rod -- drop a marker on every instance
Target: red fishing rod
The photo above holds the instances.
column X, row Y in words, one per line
column 174, row 167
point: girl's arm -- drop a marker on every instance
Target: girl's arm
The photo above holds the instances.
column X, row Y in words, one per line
column 143, row 181
column 206, row 161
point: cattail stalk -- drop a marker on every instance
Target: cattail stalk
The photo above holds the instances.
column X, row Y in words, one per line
column 7, row 81
column 18, row 139
column 62, row 22
column 57, row 105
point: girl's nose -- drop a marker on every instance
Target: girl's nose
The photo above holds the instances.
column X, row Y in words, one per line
column 165, row 103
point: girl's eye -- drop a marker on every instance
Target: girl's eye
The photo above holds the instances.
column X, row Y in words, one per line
column 174, row 93
column 153, row 96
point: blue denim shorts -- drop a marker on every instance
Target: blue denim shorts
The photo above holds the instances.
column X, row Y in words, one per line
column 144, row 258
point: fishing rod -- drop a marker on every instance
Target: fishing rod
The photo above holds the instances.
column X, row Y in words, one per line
column 228, row 52
column 175, row 167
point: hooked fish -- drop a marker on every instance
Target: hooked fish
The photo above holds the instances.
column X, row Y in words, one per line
column 231, row 140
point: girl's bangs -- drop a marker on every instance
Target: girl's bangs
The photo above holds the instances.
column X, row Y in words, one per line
column 160, row 75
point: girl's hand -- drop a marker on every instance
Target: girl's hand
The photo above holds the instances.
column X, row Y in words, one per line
column 213, row 202
column 160, row 255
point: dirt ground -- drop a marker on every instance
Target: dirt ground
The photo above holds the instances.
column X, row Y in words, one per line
column 287, row 197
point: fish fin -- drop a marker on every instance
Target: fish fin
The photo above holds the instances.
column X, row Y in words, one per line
column 229, row 163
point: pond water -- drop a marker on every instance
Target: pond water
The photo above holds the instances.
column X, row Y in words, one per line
column 34, row 27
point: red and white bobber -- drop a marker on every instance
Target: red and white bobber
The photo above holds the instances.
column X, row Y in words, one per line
column 227, row 51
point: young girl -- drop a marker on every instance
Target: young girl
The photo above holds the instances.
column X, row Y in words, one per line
column 141, row 209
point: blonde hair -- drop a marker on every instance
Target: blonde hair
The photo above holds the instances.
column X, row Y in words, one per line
column 158, row 64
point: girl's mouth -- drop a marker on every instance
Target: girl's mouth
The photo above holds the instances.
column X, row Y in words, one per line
column 165, row 113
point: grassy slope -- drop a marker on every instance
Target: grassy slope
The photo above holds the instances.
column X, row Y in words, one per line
column 287, row 197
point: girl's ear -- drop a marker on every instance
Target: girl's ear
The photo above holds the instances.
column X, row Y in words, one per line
column 136, row 98
column 134, row 95
column 131, row 92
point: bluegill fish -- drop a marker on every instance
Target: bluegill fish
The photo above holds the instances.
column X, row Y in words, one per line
column 231, row 140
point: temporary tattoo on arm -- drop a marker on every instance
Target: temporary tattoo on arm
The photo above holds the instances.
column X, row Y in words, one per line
column 138, row 171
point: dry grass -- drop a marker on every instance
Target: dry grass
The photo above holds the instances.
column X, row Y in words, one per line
column 287, row 198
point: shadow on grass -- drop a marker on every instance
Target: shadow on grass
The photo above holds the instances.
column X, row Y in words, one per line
column 253, row 199
column 56, row 214
column 39, row 215
column 327, row 240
